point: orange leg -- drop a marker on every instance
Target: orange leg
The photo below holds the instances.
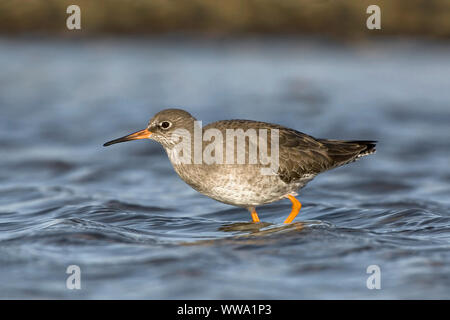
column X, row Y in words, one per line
column 254, row 215
column 296, row 205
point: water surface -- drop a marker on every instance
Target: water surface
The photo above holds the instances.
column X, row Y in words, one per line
column 137, row 231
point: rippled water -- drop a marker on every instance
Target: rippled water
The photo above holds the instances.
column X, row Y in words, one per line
column 137, row 231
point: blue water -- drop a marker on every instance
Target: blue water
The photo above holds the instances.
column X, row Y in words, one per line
column 137, row 231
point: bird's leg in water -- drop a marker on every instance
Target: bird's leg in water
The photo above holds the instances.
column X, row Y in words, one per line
column 254, row 214
column 296, row 205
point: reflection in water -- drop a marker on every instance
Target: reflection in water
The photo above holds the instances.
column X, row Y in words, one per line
column 260, row 229
column 249, row 233
column 258, row 233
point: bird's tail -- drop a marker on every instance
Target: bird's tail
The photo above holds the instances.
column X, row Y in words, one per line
column 368, row 146
column 345, row 151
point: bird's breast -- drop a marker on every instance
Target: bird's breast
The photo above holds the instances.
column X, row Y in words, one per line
column 241, row 185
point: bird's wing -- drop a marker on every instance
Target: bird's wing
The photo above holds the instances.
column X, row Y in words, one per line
column 300, row 156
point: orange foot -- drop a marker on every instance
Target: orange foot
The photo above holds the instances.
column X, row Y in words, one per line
column 296, row 205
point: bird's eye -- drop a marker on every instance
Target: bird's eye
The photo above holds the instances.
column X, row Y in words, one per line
column 165, row 124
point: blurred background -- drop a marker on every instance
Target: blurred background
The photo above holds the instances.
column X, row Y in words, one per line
column 338, row 18
column 137, row 231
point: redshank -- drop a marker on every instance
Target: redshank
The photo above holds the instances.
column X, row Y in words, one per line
column 299, row 158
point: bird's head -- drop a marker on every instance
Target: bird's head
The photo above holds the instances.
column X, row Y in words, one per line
column 165, row 127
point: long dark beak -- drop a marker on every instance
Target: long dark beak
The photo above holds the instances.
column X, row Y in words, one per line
column 143, row 134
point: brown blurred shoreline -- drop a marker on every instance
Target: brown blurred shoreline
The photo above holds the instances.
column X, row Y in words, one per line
column 341, row 19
